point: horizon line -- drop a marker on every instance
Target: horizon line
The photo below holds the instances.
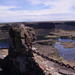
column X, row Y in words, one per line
column 39, row 21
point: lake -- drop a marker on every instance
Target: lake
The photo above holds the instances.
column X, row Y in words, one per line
column 66, row 53
column 4, row 44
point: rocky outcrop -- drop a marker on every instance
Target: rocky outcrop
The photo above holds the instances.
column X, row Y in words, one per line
column 20, row 59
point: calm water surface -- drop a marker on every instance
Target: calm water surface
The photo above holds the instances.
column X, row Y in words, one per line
column 4, row 44
column 66, row 53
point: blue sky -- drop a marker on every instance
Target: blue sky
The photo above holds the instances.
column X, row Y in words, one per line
column 36, row 10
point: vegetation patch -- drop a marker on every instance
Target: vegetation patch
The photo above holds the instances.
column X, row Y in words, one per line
column 68, row 44
column 52, row 37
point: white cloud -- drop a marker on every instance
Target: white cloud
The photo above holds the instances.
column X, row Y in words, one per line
column 57, row 5
column 6, row 7
column 62, row 7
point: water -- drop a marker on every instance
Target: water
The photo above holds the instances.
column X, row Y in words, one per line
column 66, row 53
column 4, row 44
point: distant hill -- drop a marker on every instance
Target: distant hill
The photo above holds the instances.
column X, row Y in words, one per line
column 44, row 25
column 38, row 25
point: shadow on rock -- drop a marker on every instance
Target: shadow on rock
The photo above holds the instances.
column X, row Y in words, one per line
column 20, row 65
